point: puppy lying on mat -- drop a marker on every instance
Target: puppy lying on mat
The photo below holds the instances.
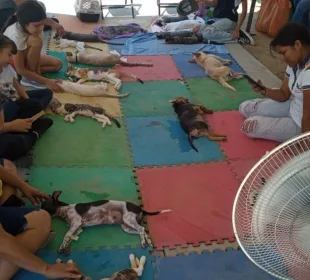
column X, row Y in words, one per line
column 100, row 59
column 71, row 110
column 216, row 68
column 88, row 90
column 193, row 121
column 101, row 212
column 113, row 76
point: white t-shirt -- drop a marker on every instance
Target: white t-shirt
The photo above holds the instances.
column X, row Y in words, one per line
column 16, row 34
column 299, row 80
column 6, row 83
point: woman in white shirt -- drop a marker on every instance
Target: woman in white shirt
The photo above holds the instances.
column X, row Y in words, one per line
column 26, row 30
column 286, row 111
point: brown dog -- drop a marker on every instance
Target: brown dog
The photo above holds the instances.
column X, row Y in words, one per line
column 216, row 68
column 193, row 121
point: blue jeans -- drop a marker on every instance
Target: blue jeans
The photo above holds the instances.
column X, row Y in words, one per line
column 301, row 13
column 11, row 108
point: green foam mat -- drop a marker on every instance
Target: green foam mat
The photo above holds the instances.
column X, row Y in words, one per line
column 83, row 143
column 85, row 185
column 213, row 95
column 61, row 74
column 152, row 98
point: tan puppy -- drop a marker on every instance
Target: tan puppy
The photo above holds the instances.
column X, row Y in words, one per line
column 216, row 68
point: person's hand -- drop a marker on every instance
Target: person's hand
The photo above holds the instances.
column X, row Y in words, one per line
column 258, row 89
column 54, row 85
column 236, row 34
column 59, row 29
column 21, row 125
column 62, row 270
column 34, row 195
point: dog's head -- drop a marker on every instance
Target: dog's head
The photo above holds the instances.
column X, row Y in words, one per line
column 71, row 57
column 52, row 204
column 179, row 100
column 54, row 104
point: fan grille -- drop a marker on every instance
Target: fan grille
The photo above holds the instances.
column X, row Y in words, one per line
column 271, row 214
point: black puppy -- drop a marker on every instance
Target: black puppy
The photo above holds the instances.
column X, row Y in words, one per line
column 193, row 121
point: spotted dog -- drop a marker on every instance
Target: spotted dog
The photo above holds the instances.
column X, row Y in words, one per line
column 101, row 212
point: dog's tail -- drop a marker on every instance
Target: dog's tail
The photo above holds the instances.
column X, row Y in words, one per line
column 114, row 120
column 125, row 74
column 132, row 64
column 190, row 141
column 155, row 213
column 225, row 84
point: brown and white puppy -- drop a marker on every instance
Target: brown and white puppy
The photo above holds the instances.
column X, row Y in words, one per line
column 216, row 68
column 101, row 212
column 101, row 59
column 193, row 121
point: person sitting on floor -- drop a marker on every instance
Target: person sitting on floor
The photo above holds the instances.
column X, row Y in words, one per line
column 8, row 7
column 301, row 12
column 19, row 134
column 25, row 230
column 26, row 30
column 224, row 27
column 286, row 111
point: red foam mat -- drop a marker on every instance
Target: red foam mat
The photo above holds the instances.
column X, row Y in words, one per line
column 163, row 68
column 200, row 196
column 238, row 145
column 243, row 166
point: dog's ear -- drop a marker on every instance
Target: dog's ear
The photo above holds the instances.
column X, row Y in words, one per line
column 69, row 54
column 172, row 101
column 55, row 195
column 197, row 54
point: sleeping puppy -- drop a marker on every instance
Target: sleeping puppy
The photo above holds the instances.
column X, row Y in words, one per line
column 193, row 121
column 216, row 68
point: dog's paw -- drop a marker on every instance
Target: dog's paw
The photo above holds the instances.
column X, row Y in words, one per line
column 224, row 139
column 64, row 250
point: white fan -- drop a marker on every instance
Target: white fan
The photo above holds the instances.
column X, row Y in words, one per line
column 271, row 213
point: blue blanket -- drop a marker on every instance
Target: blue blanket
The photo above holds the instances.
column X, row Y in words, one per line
column 148, row 44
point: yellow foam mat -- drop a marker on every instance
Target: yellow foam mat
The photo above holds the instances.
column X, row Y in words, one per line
column 111, row 105
column 104, row 47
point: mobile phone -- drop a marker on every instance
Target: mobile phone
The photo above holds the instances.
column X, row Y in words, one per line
column 253, row 81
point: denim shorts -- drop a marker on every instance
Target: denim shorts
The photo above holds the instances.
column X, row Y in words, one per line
column 13, row 220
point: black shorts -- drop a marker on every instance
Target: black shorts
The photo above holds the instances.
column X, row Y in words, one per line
column 13, row 220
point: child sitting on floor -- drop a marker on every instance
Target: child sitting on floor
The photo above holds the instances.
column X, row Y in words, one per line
column 25, row 28
column 19, row 133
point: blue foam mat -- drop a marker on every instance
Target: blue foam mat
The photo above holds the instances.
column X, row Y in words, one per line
column 193, row 70
column 148, row 44
column 161, row 141
column 97, row 264
column 230, row 265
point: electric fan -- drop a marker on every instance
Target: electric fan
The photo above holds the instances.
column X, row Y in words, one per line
column 271, row 213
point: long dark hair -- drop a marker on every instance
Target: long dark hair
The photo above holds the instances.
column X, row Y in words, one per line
column 289, row 34
column 28, row 12
column 6, row 42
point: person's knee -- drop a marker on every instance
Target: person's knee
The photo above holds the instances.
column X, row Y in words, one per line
column 10, row 166
column 249, row 126
column 34, row 41
column 243, row 109
column 48, row 96
column 39, row 220
column 58, row 64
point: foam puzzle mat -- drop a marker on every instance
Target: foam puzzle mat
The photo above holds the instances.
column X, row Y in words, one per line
column 72, row 144
column 229, row 265
column 161, row 141
column 100, row 263
column 148, row 161
column 213, row 95
column 210, row 188
column 193, row 70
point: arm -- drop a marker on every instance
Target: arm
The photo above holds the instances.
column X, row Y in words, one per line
column 20, row 90
column 19, row 256
column 305, row 123
column 282, row 94
column 19, row 61
column 243, row 14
